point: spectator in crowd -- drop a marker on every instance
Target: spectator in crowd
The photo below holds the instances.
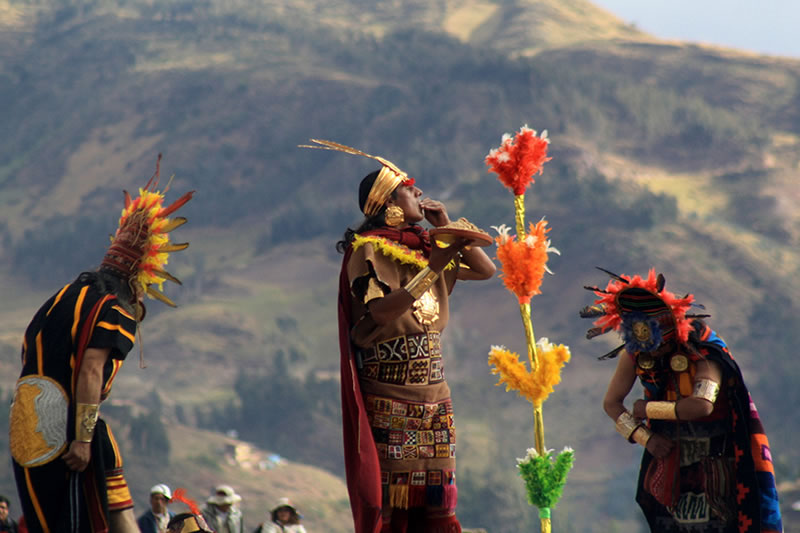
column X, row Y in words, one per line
column 155, row 519
column 7, row 524
column 221, row 512
column 283, row 518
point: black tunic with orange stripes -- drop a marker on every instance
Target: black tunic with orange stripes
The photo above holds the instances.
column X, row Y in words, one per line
column 84, row 314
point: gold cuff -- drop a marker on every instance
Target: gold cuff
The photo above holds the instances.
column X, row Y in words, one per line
column 661, row 410
column 85, row 420
column 626, row 425
column 706, row 389
column 641, row 435
column 421, row 282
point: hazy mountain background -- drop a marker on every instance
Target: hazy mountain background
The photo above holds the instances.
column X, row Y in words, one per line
column 678, row 156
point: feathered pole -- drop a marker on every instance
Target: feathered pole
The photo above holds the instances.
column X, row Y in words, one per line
column 524, row 261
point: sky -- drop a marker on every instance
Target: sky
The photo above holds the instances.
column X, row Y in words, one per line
column 763, row 26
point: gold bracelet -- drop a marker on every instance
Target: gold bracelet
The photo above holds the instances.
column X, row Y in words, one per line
column 661, row 410
column 626, row 425
column 706, row 389
column 85, row 420
column 641, row 435
column 421, row 282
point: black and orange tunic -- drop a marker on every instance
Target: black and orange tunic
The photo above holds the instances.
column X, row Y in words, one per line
column 81, row 315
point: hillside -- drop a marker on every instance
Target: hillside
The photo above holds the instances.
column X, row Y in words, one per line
column 678, row 156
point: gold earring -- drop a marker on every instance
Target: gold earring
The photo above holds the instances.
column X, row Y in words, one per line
column 394, row 215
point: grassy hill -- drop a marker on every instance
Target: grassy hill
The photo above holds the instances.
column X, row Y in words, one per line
column 677, row 156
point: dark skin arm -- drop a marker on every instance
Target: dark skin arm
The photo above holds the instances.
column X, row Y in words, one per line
column 618, row 389
column 90, row 383
column 690, row 408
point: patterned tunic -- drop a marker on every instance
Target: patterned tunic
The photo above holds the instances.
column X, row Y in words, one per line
column 42, row 420
column 401, row 373
column 719, row 477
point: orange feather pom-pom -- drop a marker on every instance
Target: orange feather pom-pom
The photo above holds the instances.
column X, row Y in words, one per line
column 517, row 161
column 524, row 262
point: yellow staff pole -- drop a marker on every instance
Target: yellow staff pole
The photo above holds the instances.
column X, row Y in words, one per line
column 533, row 358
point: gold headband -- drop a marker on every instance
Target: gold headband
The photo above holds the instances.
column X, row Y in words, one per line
column 389, row 178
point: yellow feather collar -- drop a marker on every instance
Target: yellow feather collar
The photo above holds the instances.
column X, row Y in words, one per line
column 394, row 250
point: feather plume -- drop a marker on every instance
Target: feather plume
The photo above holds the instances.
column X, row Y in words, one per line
column 338, row 147
column 517, row 160
column 592, row 311
column 535, row 385
column 177, row 204
column 524, row 261
column 180, row 496
column 612, row 354
column 614, row 276
column 173, row 247
column 160, row 296
column 176, row 222
column 595, row 332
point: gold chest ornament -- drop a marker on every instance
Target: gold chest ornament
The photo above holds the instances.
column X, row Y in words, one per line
column 426, row 308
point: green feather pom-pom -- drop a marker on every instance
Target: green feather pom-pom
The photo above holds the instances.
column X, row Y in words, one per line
column 545, row 478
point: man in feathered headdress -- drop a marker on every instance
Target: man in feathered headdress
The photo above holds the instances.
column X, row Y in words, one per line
column 707, row 464
column 399, row 437
column 66, row 462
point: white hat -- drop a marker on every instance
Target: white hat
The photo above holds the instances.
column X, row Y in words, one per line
column 161, row 489
column 224, row 494
column 283, row 502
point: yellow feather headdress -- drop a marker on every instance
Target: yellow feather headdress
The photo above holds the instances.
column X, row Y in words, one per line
column 139, row 249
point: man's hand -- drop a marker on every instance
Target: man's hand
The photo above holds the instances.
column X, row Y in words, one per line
column 78, row 455
column 440, row 257
column 435, row 212
column 659, row 446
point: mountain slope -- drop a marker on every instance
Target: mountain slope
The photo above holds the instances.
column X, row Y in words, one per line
column 664, row 154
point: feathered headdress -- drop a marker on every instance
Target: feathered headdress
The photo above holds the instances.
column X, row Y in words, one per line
column 140, row 247
column 196, row 523
column 389, row 178
column 642, row 310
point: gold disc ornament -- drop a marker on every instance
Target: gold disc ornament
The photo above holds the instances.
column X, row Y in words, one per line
column 679, row 362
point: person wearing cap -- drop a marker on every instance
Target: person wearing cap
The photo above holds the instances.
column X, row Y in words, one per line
column 67, row 465
column 221, row 512
column 155, row 519
column 706, row 464
column 283, row 518
column 395, row 283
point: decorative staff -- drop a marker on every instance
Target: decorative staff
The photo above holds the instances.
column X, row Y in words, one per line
column 523, row 259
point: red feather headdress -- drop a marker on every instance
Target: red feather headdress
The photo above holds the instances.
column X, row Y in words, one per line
column 609, row 300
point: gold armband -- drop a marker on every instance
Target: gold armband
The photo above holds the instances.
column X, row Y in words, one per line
column 626, row 425
column 706, row 389
column 85, row 420
column 421, row 282
column 641, row 435
column 661, row 410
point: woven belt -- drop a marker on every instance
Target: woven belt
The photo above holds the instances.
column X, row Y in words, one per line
column 405, row 360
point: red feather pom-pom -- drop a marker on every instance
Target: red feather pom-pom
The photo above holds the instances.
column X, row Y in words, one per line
column 517, row 160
